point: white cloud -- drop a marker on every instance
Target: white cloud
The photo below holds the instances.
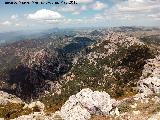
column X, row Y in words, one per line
column 138, row 6
column 131, row 9
column 6, row 23
column 78, row 9
column 98, row 5
column 44, row 14
column 134, row 8
column 14, row 17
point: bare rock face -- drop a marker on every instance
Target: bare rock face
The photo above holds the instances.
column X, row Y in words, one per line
column 36, row 58
column 8, row 98
column 73, row 109
column 85, row 103
column 150, row 80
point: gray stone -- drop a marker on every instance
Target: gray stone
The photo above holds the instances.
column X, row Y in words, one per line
column 86, row 103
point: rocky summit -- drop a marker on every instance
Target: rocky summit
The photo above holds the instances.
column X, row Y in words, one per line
column 102, row 74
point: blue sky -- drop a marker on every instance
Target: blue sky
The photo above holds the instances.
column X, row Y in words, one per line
column 87, row 13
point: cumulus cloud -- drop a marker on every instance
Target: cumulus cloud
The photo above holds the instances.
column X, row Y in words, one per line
column 44, row 15
column 6, row 23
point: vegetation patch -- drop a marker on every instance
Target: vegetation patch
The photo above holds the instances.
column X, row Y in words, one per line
column 124, row 107
column 12, row 110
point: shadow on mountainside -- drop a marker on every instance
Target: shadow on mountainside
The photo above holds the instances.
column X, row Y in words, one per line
column 30, row 82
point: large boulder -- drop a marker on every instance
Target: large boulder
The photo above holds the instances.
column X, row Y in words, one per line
column 86, row 103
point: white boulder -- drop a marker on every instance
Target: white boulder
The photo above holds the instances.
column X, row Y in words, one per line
column 85, row 103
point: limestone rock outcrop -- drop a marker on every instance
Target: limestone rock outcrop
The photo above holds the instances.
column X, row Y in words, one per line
column 86, row 103
column 150, row 80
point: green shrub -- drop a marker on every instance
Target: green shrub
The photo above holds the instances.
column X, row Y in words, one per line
column 124, row 107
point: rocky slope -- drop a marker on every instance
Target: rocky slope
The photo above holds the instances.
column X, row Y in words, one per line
column 28, row 68
column 114, row 64
column 115, row 78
